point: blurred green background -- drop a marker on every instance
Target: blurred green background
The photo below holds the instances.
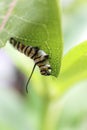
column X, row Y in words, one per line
column 49, row 105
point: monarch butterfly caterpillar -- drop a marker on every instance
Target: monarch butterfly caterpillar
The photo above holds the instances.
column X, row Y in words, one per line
column 39, row 56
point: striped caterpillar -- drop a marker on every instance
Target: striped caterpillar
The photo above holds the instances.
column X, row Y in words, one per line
column 39, row 56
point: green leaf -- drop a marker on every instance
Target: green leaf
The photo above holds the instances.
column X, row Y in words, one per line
column 4, row 7
column 74, row 67
column 36, row 23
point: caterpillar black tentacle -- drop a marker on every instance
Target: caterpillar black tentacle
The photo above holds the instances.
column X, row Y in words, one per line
column 39, row 56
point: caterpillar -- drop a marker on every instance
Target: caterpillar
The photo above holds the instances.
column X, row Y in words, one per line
column 39, row 57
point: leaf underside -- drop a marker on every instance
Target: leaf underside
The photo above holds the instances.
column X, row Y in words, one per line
column 36, row 23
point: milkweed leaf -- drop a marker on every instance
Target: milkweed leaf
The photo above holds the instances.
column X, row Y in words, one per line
column 36, row 23
column 74, row 67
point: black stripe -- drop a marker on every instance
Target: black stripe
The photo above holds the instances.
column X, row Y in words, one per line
column 22, row 47
column 30, row 51
column 41, row 65
column 44, row 69
column 46, row 66
column 43, row 73
column 37, row 57
column 14, row 44
column 40, row 62
column 49, row 67
column 18, row 45
column 36, row 51
column 13, row 41
column 25, row 50
column 46, row 56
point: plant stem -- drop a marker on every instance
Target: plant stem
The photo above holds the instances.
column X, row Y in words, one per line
column 44, row 112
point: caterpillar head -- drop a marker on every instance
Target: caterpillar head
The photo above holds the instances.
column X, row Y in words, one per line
column 46, row 70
